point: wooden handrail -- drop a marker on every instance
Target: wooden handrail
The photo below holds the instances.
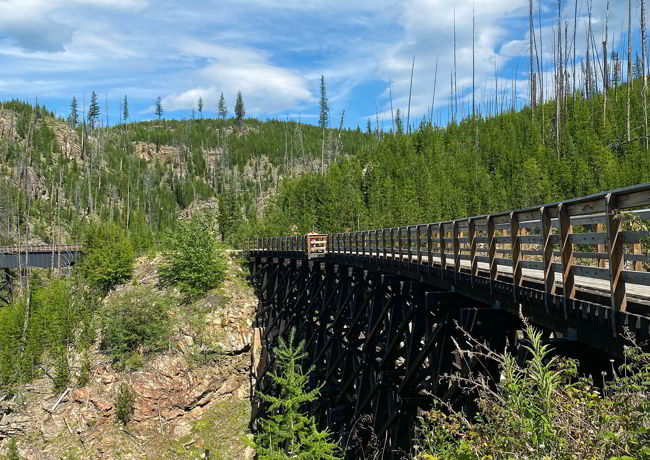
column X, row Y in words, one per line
column 562, row 236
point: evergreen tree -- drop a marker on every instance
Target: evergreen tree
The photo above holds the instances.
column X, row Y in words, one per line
column 240, row 111
column 159, row 108
column 399, row 124
column 636, row 67
column 369, row 127
column 199, row 106
column 12, row 450
column 93, row 111
column 159, row 114
column 74, row 114
column 223, row 109
column 125, row 109
column 324, row 108
column 286, row 432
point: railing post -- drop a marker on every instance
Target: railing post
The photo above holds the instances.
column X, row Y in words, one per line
column 383, row 240
column 443, row 256
column 377, row 243
column 547, row 256
column 429, row 246
column 409, row 244
column 456, row 246
column 471, row 234
column 356, row 243
column 616, row 254
column 515, row 231
column 492, row 251
column 399, row 244
column 568, row 277
column 418, row 243
column 363, row 244
column 392, row 243
column 602, row 263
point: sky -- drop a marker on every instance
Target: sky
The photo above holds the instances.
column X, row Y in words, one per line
column 275, row 51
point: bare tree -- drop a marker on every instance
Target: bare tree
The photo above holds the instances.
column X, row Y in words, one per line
column 629, row 65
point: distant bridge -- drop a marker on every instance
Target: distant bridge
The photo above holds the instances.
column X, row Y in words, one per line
column 41, row 256
column 379, row 309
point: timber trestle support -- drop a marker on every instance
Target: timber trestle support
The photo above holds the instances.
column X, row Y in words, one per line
column 378, row 343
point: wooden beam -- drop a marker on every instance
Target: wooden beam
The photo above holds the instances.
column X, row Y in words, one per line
column 471, row 234
column 516, row 254
column 443, row 257
column 616, row 253
column 492, row 249
column 392, row 243
column 602, row 263
column 399, row 244
column 456, row 244
column 409, row 243
column 568, row 260
column 547, row 256
column 637, row 265
column 429, row 246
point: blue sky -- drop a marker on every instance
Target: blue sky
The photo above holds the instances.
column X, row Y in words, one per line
column 275, row 51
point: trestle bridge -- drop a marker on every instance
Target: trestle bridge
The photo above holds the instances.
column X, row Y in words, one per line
column 381, row 311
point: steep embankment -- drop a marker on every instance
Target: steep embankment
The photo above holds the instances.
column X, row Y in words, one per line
column 192, row 397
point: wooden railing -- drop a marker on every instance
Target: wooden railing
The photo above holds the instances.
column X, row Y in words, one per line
column 41, row 248
column 599, row 241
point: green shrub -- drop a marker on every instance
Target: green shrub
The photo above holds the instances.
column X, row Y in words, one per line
column 194, row 260
column 108, row 257
column 62, row 372
column 12, row 450
column 84, row 372
column 124, row 403
column 136, row 320
column 543, row 410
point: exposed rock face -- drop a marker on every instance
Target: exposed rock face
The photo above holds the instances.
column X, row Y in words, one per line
column 172, row 392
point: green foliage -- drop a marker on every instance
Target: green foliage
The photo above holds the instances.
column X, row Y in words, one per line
column 124, row 403
column 286, row 432
column 543, row 410
column 12, row 450
column 108, row 256
column 194, row 260
column 135, row 321
column 62, row 372
column 84, row 371
column 59, row 313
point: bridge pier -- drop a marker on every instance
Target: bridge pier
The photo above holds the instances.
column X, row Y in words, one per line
column 379, row 344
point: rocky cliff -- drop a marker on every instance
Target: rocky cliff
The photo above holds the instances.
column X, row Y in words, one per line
column 195, row 396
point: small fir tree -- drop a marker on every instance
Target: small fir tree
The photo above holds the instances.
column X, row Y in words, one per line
column 286, row 432
column 199, row 107
column 399, row 124
column 125, row 109
column 159, row 114
column 93, row 111
column 223, row 109
column 324, row 107
column 74, row 113
column 124, row 403
column 240, row 111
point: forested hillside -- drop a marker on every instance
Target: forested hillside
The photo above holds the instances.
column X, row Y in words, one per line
column 508, row 161
column 57, row 174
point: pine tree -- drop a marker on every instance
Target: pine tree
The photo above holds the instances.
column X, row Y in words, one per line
column 159, row 108
column 74, row 114
column 93, row 111
column 324, row 108
column 199, row 106
column 399, row 124
column 285, row 431
column 125, row 109
column 223, row 109
column 369, row 127
column 240, row 111
column 159, row 114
